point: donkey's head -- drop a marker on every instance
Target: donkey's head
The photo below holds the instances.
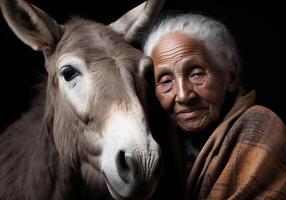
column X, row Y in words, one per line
column 95, row 94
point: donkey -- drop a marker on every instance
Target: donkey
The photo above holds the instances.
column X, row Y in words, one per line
column 87, row 132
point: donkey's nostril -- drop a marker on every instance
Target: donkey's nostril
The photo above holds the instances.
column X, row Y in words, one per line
column 127, row 166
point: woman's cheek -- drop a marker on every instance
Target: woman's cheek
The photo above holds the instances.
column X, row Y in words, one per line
column 166, row 99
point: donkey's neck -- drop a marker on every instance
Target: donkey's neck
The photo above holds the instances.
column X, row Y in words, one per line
column 28, row 154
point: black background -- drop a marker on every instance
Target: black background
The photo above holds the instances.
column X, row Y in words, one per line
column 258, row 27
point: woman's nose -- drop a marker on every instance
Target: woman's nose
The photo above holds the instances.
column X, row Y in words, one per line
column 185, row 92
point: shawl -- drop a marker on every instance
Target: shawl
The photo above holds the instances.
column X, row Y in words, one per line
column 244, row 158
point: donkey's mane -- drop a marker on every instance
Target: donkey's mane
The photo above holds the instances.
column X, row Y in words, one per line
column 26, row 129
column 41, row 167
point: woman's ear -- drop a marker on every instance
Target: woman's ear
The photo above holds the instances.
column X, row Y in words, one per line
column 233, row 74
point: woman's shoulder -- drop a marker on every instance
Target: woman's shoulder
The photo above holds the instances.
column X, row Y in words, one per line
column 259, row 124
column 259, row 115
column 260, row 109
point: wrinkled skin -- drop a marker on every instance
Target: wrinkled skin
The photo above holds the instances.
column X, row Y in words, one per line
column 189, row 86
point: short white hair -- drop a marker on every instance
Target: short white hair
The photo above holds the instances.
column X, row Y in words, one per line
column 213, row 34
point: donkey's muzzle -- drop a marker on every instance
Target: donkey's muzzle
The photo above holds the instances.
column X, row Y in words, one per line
column 128, row 167
column 139, row 173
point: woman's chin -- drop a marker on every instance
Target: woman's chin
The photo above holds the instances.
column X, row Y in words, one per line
column 194, row 126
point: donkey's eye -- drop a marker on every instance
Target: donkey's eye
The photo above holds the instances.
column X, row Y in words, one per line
column 69, row 72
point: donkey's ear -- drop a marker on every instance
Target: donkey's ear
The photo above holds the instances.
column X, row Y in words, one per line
column 133, row 24
column 32, row 25
column 145, row 66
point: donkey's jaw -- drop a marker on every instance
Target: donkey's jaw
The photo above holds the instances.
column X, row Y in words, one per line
column 93, row 178
column 139, row 186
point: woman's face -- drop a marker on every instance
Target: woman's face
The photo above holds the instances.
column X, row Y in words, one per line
column 188, row 85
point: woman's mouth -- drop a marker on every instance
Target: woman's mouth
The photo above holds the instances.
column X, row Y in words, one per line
column 190, row 113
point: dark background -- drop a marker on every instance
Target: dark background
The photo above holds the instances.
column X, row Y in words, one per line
column 257, row 26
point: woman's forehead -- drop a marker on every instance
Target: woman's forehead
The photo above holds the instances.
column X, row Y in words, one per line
column 176, row 46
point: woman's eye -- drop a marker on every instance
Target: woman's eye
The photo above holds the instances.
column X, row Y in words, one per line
column 197, row 75
column 165, row 80
column 197, row 72
column 164, row 84
column 69, row 73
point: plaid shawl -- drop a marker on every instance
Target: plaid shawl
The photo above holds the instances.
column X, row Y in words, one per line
column 244, row 158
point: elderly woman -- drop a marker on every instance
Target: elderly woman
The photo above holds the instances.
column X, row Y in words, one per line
column 234, row 149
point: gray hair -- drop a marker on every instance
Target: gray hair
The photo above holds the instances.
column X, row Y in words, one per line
column 213, row 34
